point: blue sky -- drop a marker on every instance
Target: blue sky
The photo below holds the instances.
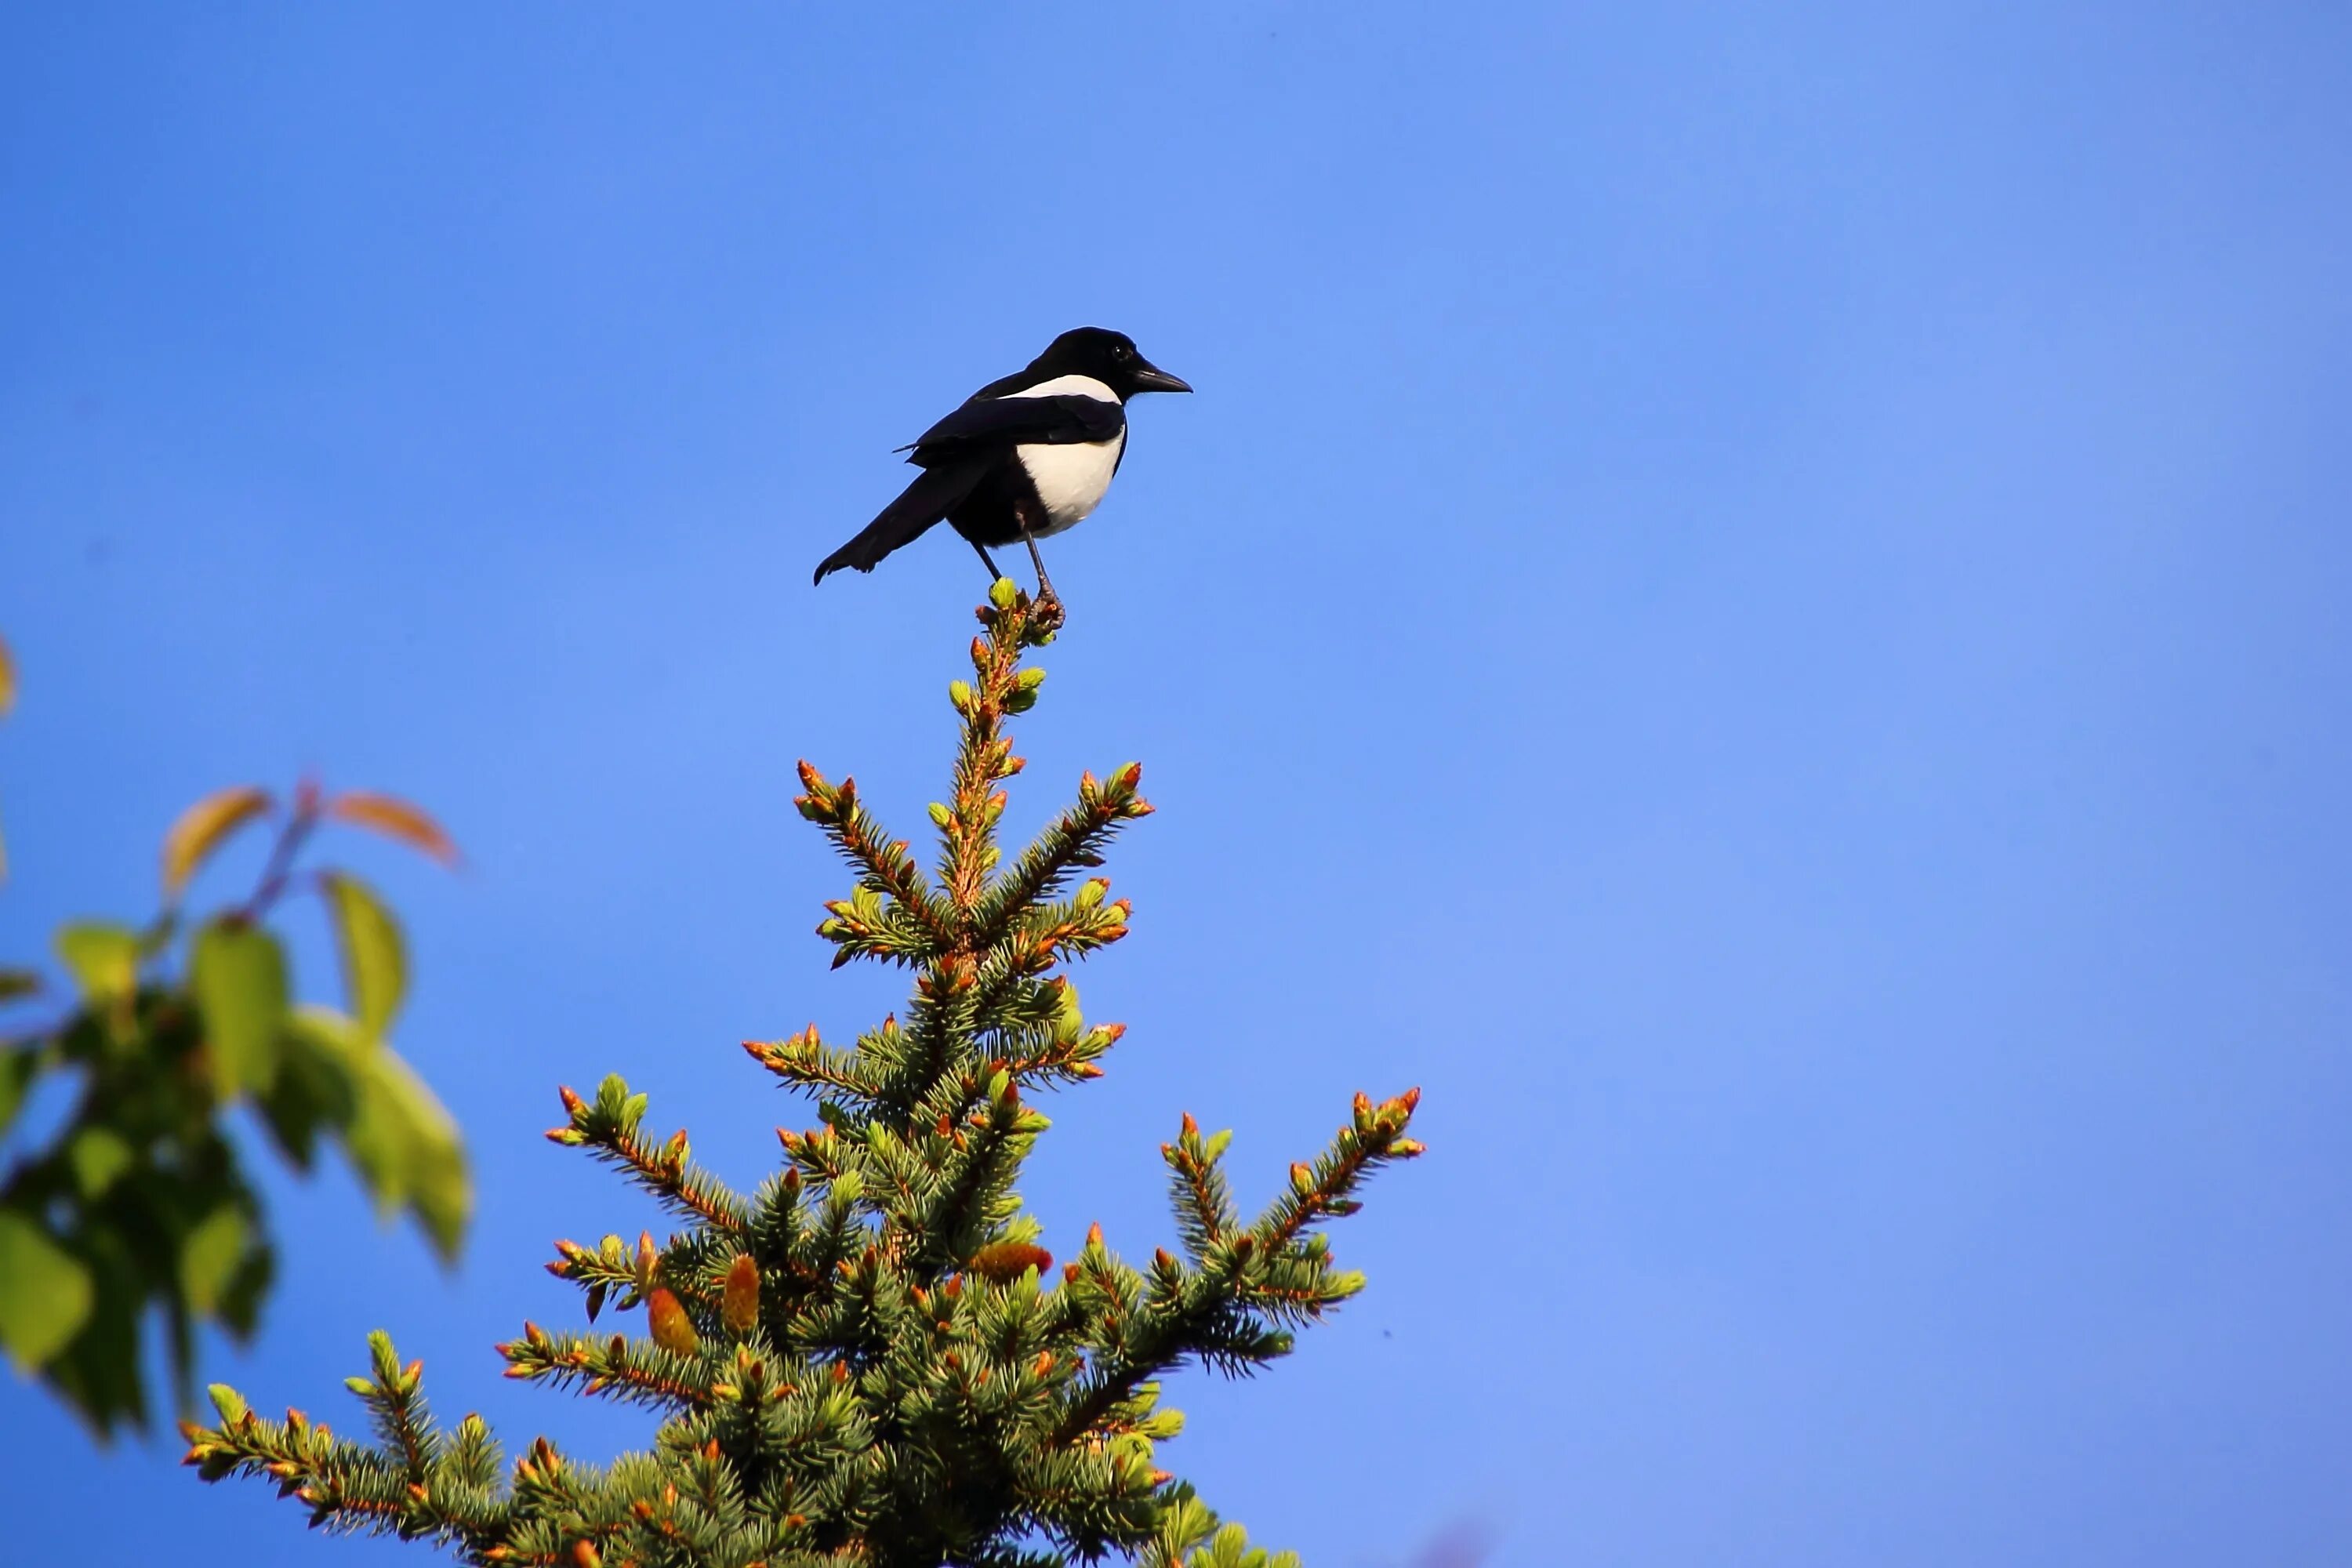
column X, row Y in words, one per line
column 1753, row 597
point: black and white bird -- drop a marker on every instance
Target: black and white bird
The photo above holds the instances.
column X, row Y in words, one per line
column 1024, row 459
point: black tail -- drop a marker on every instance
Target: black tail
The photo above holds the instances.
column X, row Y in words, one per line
column 920, row 505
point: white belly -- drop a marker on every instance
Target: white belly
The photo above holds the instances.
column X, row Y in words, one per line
column 1070, row 480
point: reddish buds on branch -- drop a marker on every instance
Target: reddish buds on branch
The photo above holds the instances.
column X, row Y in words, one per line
column 740, row 1305
column 1005, row 1261
column 672, row 1330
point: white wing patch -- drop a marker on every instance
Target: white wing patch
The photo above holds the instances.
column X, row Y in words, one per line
column 1070, row 478
column 1069, row 386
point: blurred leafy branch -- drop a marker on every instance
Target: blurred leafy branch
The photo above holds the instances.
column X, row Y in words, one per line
column 137, row 1197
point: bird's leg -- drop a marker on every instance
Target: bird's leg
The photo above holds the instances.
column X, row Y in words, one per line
column 993, row 573
column 1044, row 584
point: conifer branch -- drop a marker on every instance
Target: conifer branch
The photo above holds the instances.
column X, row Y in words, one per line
column 974, row 1178
column 885, row 865
column 806, row 1061
column 1074, row 840
column 635, row 1372
column 607, row 1128
column 1373, row 1137
column 867, row 1363
column 1203, row 1204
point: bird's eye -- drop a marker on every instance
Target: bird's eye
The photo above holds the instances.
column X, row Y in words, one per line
column 1121, row 351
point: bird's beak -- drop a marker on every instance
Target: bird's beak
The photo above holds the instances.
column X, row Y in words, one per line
column 1150, row 377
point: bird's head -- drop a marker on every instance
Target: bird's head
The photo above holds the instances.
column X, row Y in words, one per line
column 1109, row 357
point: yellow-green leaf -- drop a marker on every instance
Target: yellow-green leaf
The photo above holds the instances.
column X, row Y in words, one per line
column 239, row 972
column 375, row 968
column 209, row 1255
column 98, row 1156
column 204, row 827
column 104, row 958
column 394, row 819
column 401, row 1116
column 403, row 1143
column 45, row 1292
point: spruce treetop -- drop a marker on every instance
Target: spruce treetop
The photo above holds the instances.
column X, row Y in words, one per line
column 870, row 1360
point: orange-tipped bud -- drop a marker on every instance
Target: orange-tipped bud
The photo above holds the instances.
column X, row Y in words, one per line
column 572, row 1102
column 1005, row 1261
column 1192, row 1128
column 741, row 1306
column 586, row 1556
column 1093, row 1233
column 672, row 1330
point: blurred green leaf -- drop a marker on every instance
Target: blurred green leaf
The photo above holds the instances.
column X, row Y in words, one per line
column 402, row 1140
column 18, row 1067
column 313, row 1088
column 45, row 1293
column 99, row 1155
column 239, row 972
column 239, row 1309
column 16, row 983
column 97, row 1371
column 375, row 969
column 103, row 957
column 209, row 1255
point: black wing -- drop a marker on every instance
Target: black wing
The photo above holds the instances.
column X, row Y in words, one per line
column 1062, row 420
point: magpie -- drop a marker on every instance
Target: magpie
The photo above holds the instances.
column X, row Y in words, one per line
column 1025, row 458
